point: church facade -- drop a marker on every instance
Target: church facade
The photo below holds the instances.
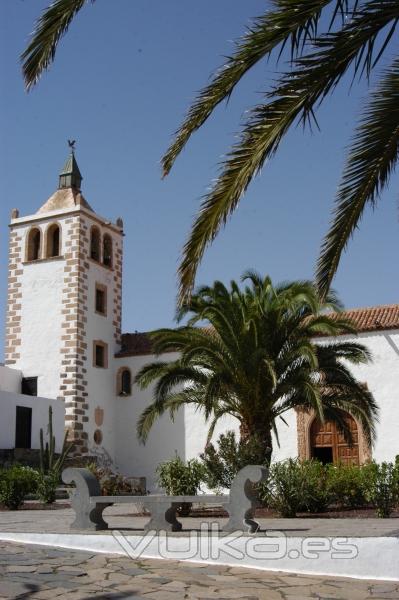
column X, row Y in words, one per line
column 64, row 341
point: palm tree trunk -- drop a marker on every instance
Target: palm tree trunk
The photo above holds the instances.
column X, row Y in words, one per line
column 259, row 443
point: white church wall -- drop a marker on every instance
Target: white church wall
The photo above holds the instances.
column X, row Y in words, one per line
column 287, row 435
column 40, row 406
column 166, row 437
column 382, row 377
column 196, row 430
column 41, row 325
column 10, row 379
column 101, row 385
column 384, row 383
column 41, row 288
column 186, row 436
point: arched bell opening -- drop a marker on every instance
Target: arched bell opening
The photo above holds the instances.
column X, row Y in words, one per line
column 95, row 245
column 53, row 241
column 107, row 250
column 34, row 243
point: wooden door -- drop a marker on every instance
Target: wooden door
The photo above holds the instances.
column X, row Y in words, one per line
column 328, row 444
column 23, row 427
column 344, row 453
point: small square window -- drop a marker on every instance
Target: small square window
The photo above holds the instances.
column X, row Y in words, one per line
column 100, row 354
column 101, row 299
column 29, row 386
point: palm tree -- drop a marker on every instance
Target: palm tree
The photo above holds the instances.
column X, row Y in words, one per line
column 256, row 359
column 319, row 60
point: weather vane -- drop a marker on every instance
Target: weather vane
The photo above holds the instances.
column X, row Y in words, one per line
column 71, row 144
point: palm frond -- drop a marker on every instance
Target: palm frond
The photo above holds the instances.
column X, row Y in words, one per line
column 218, row 414
column 328, row 325
column 355, row 353
column 295, row 98
column 49, row 29
column 147, row 420
column 177, row 376
column 292, row 21
column 372, row 157
column 150, row 372
column 361, row 405
column 157, row 408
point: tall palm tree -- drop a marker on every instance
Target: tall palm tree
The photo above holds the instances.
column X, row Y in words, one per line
column 319, row 60
column 256, row 359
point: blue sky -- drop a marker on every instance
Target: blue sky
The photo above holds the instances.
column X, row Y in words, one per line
column 123, row 78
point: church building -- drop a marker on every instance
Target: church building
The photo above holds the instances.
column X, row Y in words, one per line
column 64, row 347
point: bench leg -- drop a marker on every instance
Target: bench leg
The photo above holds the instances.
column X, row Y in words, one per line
column 241, row 522
column 88, row 514
column 90, row 517
column 163, row 519
column 243, row 500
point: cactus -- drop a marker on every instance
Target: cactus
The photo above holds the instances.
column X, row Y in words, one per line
column 50, row 466
column 48, row 461
column 41, row 454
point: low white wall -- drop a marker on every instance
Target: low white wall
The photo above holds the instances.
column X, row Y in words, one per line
column 10, row 379
column 354, row 557
column 8, row 403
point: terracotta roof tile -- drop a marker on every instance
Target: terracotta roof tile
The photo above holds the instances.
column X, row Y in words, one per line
column 374, row 318
column 134, row 344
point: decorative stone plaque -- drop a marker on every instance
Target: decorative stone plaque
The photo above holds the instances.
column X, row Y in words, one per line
column 99, row 416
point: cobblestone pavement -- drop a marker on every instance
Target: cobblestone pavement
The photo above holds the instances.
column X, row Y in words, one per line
column 46, row 573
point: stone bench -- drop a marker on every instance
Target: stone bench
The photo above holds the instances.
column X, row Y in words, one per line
column 88, row 504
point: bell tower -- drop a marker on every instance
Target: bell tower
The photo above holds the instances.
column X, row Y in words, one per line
column 63, row 322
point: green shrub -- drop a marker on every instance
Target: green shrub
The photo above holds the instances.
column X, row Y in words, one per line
column 180, row 479
column 316, row 495
column 283, row 491
column 384, row 487
column 223, row 462
column 16, row 483
column 47, row 485
column 296, row 486
column 347, row 485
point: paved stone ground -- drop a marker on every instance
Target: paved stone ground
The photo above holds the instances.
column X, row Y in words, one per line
column 123, row 518
column 45, row 573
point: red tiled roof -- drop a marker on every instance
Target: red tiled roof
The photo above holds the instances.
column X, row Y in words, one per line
column 374, row 318
column 134, row 344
